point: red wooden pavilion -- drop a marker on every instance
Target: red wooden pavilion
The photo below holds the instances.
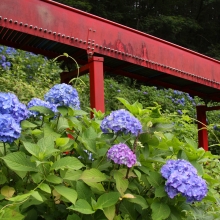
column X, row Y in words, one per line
column 51, row 29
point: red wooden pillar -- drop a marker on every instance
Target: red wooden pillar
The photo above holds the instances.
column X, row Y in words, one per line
column 202, row 133
column 96, row 83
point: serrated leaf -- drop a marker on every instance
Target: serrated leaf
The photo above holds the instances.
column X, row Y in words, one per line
column 62, row 141
column 33, row 149
column 44, row 187
column 37, row 196
column 42, row 110
column 191, row 142
column 9, row 214
column 155, row 179
column 163, row 127
column 54, row 179
column 107, row 199
column 121, row 182
column 27, row 124
column 140, row 201
column 128, row 208
column 160, row 211
column 198, row 167
column 97, row 186
column 92, row 175
column 109, row 212
column 42, row 149
column 84, row 192
column 75, row 123
column 20, row 198
column 72, row 175
column 89, row 133
column 150, row 139
column 62, row 124
column 132, row 108
column 160, row 191
column 68, row 193
column 67, row 163
column 80, row 112
column 49, row 132
column 18, row 161
column 83, row 207
column 63, row 110
column 36, row 132
column 89, row 144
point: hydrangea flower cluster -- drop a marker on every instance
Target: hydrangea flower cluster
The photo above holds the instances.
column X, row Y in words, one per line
column 12, row 112
column 39, row 102
column 182, row 178
column 4, row 63
column 9, row 104
column 63, row 94
column 122, row 154
column 10, row 129
column 121, row 120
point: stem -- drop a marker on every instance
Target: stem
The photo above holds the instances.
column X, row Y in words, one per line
column 42, row 122
column 126, row 177
column 71, row 152
column 57, row 120
column 135, row 143
column 19, row 144
column 4, row 148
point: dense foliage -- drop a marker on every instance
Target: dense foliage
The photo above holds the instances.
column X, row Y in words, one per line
column 64, row 165
column 32, row 186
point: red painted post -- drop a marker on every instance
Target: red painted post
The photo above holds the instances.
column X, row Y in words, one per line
column 202, row 131
column 96, row 83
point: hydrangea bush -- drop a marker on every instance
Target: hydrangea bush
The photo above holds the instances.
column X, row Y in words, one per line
column 124, row 165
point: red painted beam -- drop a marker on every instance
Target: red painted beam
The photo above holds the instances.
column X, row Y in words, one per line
column 202, row 127
column 96, row 83
column 56, row 22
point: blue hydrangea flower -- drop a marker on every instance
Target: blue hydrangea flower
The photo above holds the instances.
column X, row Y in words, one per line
column 9, row 104
column 39, row 102
column 63, row 95
column 121, row 121
column 180, row 112
column 182, row 178
column 122, row 154
column 10, row 129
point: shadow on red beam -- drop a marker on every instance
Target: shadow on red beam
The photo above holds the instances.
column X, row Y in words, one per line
column 155, row 82
column 48, row 54
column 213, row 108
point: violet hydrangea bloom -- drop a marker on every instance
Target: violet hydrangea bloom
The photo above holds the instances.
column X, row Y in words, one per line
column 9, row 104
column 39, row 102
column 122, row 154
column 63, row 95
column 10, row 129
column 182, row 178
column 121, row 120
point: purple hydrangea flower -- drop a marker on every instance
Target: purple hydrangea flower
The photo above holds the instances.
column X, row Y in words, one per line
column 122, row 154
column 39, row 102
column 9, row 104
column 182, row 178
column 10, row 129
column 121, row 120
column 63, row 95
column 180, row 112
